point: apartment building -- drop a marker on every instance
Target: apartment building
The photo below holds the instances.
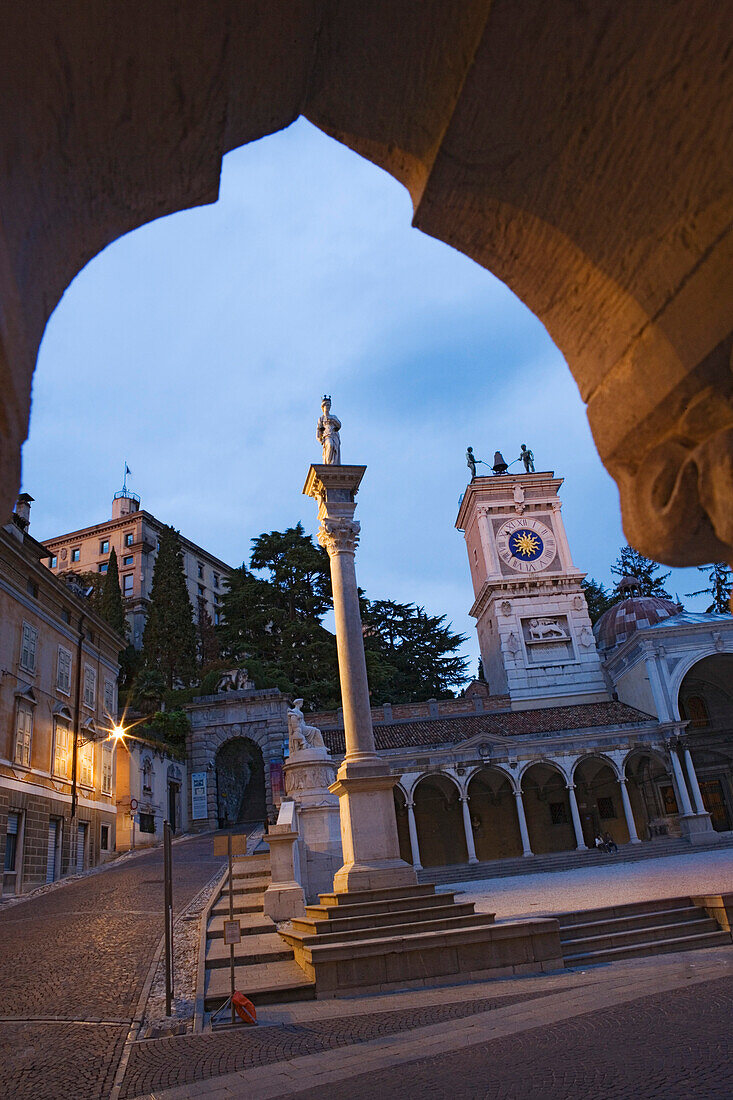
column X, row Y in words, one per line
column 58, row 689
column 134, row 534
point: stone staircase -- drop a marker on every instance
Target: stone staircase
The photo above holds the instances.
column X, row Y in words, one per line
column 566, row 861
column 265, row 969
column 630, row 931
column 370, row 940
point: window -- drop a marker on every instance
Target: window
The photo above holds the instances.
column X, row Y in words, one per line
column 86, row 762
column 558, row 813
column 147, row 776
column 200, row 570
column 103, row 566
column 65, row 615
column 202, row 590
column 76, row 554
column 216, row 580
column 23, row 734
column 61, row 748
column 128, row 560
column 127, row 583
column 31, row 588
column 129, row 538
column 216, row 618
column 109, row 696
column 104, row 838
column 147, row 823
column 63, row 671
column 54, row 561
column 106, row 769
column 11, row 842
column 606, row 809
column 696, row 711
column 104, row 546
column 90, row 686
column 28, row 646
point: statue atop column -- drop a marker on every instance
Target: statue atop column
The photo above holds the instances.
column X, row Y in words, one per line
column 527, row 458
column 327, row 433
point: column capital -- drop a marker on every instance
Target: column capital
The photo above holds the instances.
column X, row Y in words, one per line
column 339, row 535
column 623, row 779
column 569, row 786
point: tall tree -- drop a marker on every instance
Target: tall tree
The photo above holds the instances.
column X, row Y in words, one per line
column 631, row 563
column 421, row 649
column 298, row 569
column 719, row 587
column 598, row 598
column 112, row 608
column 208, row 643
column 169, row 639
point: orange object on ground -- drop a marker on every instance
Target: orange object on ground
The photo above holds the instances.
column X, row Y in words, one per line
column 244, row 1008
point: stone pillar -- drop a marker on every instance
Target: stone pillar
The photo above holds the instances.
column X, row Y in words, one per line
column 580, row 842
column 468, row 829
column 628, row 812
column 364, row 784
column 681, row 785
column 284, row 896
column 694, row 785
column 524, row 831
column 309, row 774
column 413, row 835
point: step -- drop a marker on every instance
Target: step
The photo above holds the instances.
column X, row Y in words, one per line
column 655, row 934
column 251, row 924
column 326, row 912
column 250, row 904
column 612, row 912
column 266, row 983
column 363, row 897
column 444, row 924
column 381, row 920
column 253, row 885
column 263, row 948
column 571, row 932
column 656, row 947
column 259, row 871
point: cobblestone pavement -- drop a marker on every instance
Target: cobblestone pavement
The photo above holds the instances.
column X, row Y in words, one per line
column 163, row 1063
column 82, row 953
column 676, row 1046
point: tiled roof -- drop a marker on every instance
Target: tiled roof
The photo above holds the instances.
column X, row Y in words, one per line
column 452, row 731
column 625, row 617
column 688, row 618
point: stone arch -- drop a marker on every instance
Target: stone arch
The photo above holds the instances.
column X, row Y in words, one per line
column 439, row 820
column 547, row 807
column 600, row 804
column 241, row 793
column 442, row 107
column 651, row 792
column 705, row 700
column 493, row 810
column 686, row 665
column 403, row 826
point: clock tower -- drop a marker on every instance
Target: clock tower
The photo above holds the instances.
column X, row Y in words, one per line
column 532, row 620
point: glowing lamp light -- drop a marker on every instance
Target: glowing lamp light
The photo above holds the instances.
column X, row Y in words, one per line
column 118, row 732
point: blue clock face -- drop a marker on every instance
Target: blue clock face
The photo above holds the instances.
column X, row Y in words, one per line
column 526, row 545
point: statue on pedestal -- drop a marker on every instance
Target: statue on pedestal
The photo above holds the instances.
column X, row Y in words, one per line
column 327, row 433
column 301, row 736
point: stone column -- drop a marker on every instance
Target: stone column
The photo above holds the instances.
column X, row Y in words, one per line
column 580, row 842
column 694, row 785
column 364, row 783
column 468, row 829
column 686, row 805
column 411, row 825
column 523, row 830
column 628, row 812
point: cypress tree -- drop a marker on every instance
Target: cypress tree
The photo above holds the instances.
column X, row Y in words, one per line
column 169, row 640
column 111, row 606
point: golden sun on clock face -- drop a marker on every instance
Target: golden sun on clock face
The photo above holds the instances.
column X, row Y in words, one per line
column 525, row 545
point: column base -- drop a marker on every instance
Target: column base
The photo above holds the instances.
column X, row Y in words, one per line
column 369, row 829
column 697, row 828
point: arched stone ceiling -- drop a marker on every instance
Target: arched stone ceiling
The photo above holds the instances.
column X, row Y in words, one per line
column 581, row 152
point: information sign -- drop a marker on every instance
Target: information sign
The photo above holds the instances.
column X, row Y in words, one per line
column 199, row 807
column 232, row 932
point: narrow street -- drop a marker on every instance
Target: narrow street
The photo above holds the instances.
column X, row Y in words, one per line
column 72, row 968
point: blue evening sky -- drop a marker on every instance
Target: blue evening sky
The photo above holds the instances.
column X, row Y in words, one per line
column 197, row 349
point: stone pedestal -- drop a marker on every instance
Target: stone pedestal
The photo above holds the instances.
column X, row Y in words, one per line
column 697, row 828
column 309, row 774
column 284, row 898
column 364, row 785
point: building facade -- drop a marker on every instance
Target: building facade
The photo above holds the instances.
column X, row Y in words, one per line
column 58, row 688
column 134, row 534
column 151, row 789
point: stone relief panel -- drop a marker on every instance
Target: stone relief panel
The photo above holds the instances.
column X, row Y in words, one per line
column 547, row 639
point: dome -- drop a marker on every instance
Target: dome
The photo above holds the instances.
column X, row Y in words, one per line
column 620, row 621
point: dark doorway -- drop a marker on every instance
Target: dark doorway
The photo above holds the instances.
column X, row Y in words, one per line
column 173, row 793
column 240, row 783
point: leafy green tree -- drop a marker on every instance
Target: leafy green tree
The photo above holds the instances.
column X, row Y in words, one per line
column 206, row 639
column 170, row 726
column 631, row 563
column 719, row 587
column 298, row 569
column 111, row 606
column 169, row 639
column 420, row 648
column 148, row 689
column 598, row 598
